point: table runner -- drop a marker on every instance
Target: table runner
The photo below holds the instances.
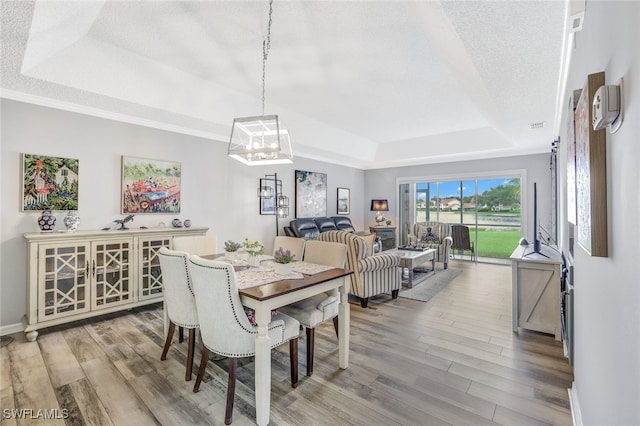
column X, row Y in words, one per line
column 308, row 268
column 253, row 277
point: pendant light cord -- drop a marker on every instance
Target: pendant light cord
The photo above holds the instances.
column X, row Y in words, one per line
column 266, row 46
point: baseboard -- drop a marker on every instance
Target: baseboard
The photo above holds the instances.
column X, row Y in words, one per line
column 11, row 328
column 575, row 405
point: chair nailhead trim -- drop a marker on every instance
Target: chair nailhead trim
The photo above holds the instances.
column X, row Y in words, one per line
column 235, row 314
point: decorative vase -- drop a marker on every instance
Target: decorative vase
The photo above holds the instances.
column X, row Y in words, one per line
column 47, row 221
column 282, row 268
column 254, row 260
column 232, row 256
column 187, row 223
column 176, row 223
column 72, row 220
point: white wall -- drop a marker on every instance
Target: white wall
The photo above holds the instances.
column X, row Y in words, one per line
column 607, row 290
column 217, row 191
column 381, row 183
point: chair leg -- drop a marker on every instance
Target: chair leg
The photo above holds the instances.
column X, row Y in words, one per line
column 293, row 360
column 364, row 301
column 204, row 358
column 335, row 325
column 167, row 342
column 180, row 334
column 311, row 336
column 231, row 391
column 190, row 350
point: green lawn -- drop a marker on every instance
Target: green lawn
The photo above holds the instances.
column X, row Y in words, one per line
column 496, row 243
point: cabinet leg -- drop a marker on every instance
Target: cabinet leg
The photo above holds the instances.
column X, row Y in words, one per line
column 31, row 335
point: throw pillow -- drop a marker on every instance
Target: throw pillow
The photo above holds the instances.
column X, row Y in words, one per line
column 430, row 237
column 251, row 314
column 369, row 241
column 313, row 235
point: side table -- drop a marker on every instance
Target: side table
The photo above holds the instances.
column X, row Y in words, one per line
column 387, row 236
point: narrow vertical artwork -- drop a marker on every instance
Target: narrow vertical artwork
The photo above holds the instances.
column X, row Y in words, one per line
column 343, row 201
column 311, row 194
column 591, row 183
column 268, row 205
column 571, row 159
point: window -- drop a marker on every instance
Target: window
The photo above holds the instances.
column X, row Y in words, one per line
column 490, row 207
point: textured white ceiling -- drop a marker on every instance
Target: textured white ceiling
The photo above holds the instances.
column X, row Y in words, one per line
column 368, row 84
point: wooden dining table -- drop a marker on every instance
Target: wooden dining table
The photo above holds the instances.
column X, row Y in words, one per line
column 263, row 298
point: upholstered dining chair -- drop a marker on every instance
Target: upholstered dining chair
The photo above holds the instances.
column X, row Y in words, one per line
column 295, row 245
column 224, row 326
column 372, row 274
column 199, row 245
column 178, row 301
column 321, row 307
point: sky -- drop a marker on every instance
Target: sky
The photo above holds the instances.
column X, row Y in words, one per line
column 452, row 188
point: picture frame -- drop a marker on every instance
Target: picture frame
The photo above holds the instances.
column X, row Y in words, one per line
column 591, row 177
column 311, row 194
column 150, row 186
column 343, row 201
column 49, row 183
column 571, row 157
column 268, row 205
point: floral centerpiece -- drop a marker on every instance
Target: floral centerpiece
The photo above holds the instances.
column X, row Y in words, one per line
column 282, row 259
column 283, row 256
column 231, row 248
column 255, row 249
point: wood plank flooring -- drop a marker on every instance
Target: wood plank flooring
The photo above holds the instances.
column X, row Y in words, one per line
column 453, row 360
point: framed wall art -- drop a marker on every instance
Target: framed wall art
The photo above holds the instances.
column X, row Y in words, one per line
column 591, row 174
column 311, row 194
column 344, row 201
column 49, row 183
column 150, row 186
column 571, row 158
column 268, row 205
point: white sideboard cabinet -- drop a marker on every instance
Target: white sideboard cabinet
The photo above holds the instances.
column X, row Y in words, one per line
column 76, row 275
column 536, row 295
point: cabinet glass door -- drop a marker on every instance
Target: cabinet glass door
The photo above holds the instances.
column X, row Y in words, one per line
column 111, row 272
column 63, row 280
column 150, row 273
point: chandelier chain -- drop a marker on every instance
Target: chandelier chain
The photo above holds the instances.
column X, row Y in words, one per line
column 266, row 46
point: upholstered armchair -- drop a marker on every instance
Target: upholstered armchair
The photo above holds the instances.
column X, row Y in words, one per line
column 436, row 235
column 372, row 274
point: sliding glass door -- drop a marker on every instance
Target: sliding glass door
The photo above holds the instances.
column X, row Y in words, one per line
column 488, row 209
